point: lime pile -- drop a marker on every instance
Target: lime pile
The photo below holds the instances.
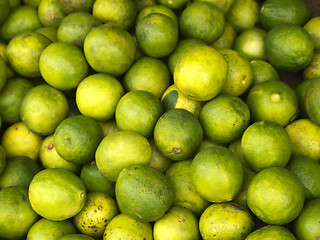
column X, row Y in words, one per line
column 159, row 119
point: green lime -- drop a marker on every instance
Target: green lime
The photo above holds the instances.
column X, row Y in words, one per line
column 175, row 5
column 312, row 99
column 158, row 161
column 70, row 6
column 49, row 32
column 5, row 10
column 301, row 90
column 223, row 5
column 49, row 13
column 312, row 27
column 263, row 71
column 76, row 236
column 227, row 39
column 142, row 4
column 109, row 126
column 271, row 232
column 3, row 160
column 313, row 69
column 3, row 73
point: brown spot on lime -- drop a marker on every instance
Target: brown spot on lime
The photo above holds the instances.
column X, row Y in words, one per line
column 100, row 207
column 50, row 146
column 82, row 194
column 176, row 150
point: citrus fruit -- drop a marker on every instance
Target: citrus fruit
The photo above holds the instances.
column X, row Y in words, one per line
column 21, row 19
column 272, row 232
column 11, row 97
column 236, row 147
column 49, row 32
column 156, row 34
column 76, row 236
column 301, row 89
column 312, row 27
column 263, row 71
column 202, row 20
column 3, row 160
column 49, row 13
column 122, row 12
column 239, row 75
column 273, row 101
column 223, row 5
column 3, row 72
column 173, row 98
column 24, row 51
column 177, row 223
column 158, row 161
column 149, row 74
column 74, row 27
column 289, row 47
column 175, row 4
column 178, row 134
column 124, row 226
column 274, row 13
column 225, row 221
column 266, row 144
column 305, row 138
column 94, row 181
column 18, row 140
column 243, row 14
column 49, row 157
column 217, row 174
column 308, row 171
column 206, row 143
column 98, row 95
column 57, row 194
column 142, row 4
column 227, row 39
column 250, row 44
column 224, row 118
column 34, row 3
column 43, row 108
column 185, row 194
column 76, row 139
column 96, row 214
column 5, row 9
column 17, row 215
column 138, row 111
column 313, row 69
column 119, row 150
column 275, row 195
column 63, row 65
column 70, row 6
column 312, row 99
column 110, row 49
column 143, row 193
column 45, row 229
column 19, row 171
column 306, row 225
column 108, row 127
column 200, row 73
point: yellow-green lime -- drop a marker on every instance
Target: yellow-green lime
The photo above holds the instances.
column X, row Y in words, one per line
column 263, row 71
column 96, row 214
column 49, row 13
column 70, row 6
column 223, row 5
column 3, row 160
column 266, row 144
column 3, row 72
column 275, row 195
column 174, row 4
column 312, row 27
column 19, row 171
column 313, row 69
column 158, row 161
column 185, row 194
column 148, row 74
column 76, row 139
column 43, row 108
column 108, row 127
column 97, row 96
column 273, row 101
column 217, row 174
column 301, row 89
column 312, row 99
column 236, row 147
column 227, row 39
column 143, row 193
column 120, row 150
column 225, row 221
column 271, row 232
column 18, row 140
column 76, row 236
column 63, row 65
column 206, row 143
column 125, row 227
column 224, row 118
column 178, row 134
column 45, row 229
column 17, row 215
column 202, row 20
column 177, row 223
column 142, row 4
column 201, row 73
column 57, row 194
column 49, row 32
column 138, row 111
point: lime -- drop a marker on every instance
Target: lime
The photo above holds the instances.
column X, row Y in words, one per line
column 313, row 69
column 76, row 139
column 202, row 20
column 272, row 232
column 70, row 6
column 225, row 221
column 119, row 150
column 63, row 65
column 45, row 229
column 185, row 194
column 5, row 10
column 138, row 111
column 289, row 47
column 266, row 144
column 236, row 147
column 49, row 32
column 158, row 161
column 201, row 73
column 98, row 95
column 227, row 39
column 110, row 49
column 43, row 108
column 142, row 4
column 125, row 227
column 108, row 127
column 263, row 71
column 143, row 193
column 57, row 194
column 223, row 5
column 96, row 214
column 3, row 160
column 3, row 73
column 217, row 174
column 49, row 13
column 178, row 134
column 312, row 27
column 17, row 215
column 75, row 236
column 312, row 98
column 224, row 118
column 275, row 195
column 301, row 90
column 177, row 223
column 149, row 74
